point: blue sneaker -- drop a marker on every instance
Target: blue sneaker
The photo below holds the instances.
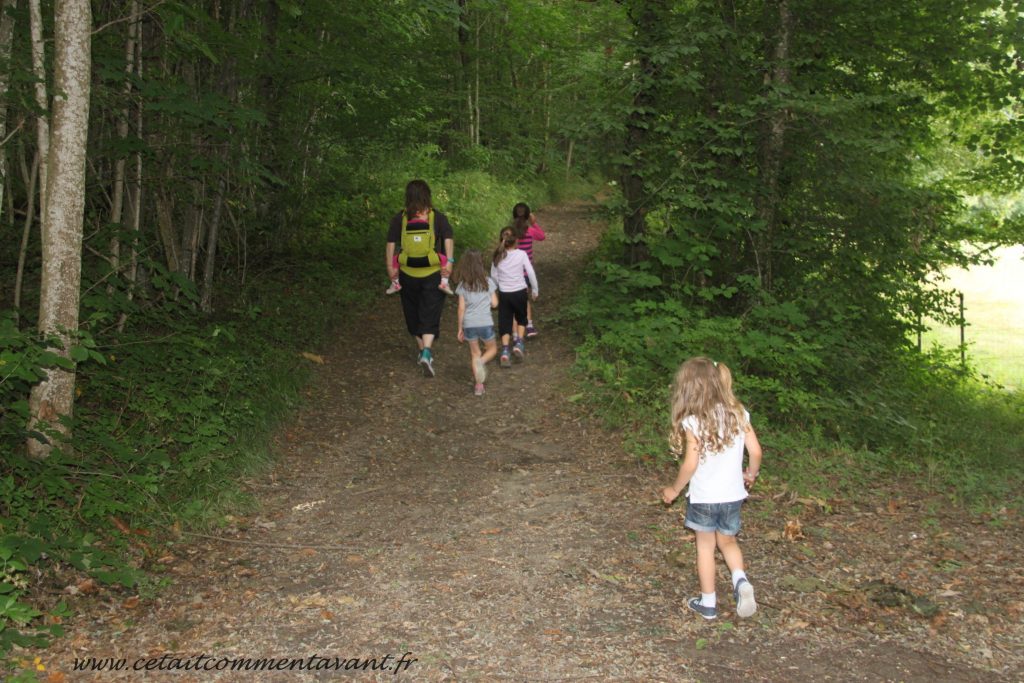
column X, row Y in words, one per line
column 745, row 603
column 519, row 350
column 427, row 362
column 706, row 612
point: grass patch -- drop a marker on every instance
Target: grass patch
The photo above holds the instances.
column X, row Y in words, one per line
column 994, row 334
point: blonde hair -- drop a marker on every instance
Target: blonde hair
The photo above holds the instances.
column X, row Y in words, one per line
column 703, row 389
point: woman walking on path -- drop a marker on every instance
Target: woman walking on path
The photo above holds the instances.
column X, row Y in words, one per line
column 422, row 234
column 478, row 294
column 527, row 231
column 715, row 428
column 507, row 270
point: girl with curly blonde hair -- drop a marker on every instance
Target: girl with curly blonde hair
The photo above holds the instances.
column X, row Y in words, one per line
column 710, row 430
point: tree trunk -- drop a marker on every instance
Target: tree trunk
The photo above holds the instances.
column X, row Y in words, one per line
column 568, row 158
column 476, row 99
column 165, row 225
column 6, row 39
column 30, row 214
column 773, row 141
column 135, row 194
column 206, row 300
column 53, row 398
column 462, row 75
column 647, row 20
column 42, row 100
column 121, row 165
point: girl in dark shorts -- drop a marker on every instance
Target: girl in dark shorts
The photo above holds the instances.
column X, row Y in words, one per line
column 507, row 269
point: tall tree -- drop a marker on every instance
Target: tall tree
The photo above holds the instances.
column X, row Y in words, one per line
column 53, row 398
column 648, row 17
column 7, row 8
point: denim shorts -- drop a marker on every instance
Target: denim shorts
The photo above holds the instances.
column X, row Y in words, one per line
column 484, row 333
column 721, row 517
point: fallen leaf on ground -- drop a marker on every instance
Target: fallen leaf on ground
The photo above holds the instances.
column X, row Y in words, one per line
column 793, row 530
column 313, row 357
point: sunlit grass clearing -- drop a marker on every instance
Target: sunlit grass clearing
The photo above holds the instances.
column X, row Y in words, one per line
column 994, row 310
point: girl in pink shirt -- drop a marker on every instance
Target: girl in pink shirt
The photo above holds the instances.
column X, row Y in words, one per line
column 527, row 231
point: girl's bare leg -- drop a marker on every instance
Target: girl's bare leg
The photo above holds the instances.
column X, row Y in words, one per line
column 730, row 551
column 490, row 351
column 706, row 561
column 474, row 353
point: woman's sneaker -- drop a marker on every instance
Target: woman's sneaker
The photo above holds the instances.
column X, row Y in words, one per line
column 519, row 350
column 427, row 361
column 504, row 361
column 706, row 612
column 531, row 331
column 745, row 603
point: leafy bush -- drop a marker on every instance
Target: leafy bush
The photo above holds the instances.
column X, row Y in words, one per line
column 826, row 382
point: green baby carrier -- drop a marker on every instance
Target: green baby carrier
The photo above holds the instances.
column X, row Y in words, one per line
column 419, row 257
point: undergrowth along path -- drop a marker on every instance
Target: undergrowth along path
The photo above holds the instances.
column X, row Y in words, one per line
column 508, row 537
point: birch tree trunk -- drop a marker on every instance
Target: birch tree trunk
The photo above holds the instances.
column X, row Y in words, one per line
column 120, row 166
column 135, row 194
column 53, row 398
column 42, row 99
column 6, row 39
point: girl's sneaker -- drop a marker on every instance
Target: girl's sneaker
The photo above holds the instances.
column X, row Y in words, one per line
column 505, row 361
column 394, row 287
column 445, row 287
column 519, row 350
column 706, row 612
column 478, row 390
column 745, row 603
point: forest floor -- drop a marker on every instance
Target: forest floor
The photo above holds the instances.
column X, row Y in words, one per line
column 510, row 538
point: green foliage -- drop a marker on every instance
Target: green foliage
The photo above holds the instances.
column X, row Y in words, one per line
column 796, row 213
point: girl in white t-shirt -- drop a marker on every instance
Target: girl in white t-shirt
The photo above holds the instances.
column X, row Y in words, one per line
column 712, row 428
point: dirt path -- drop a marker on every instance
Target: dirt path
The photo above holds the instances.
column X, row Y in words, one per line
column 509, row 538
